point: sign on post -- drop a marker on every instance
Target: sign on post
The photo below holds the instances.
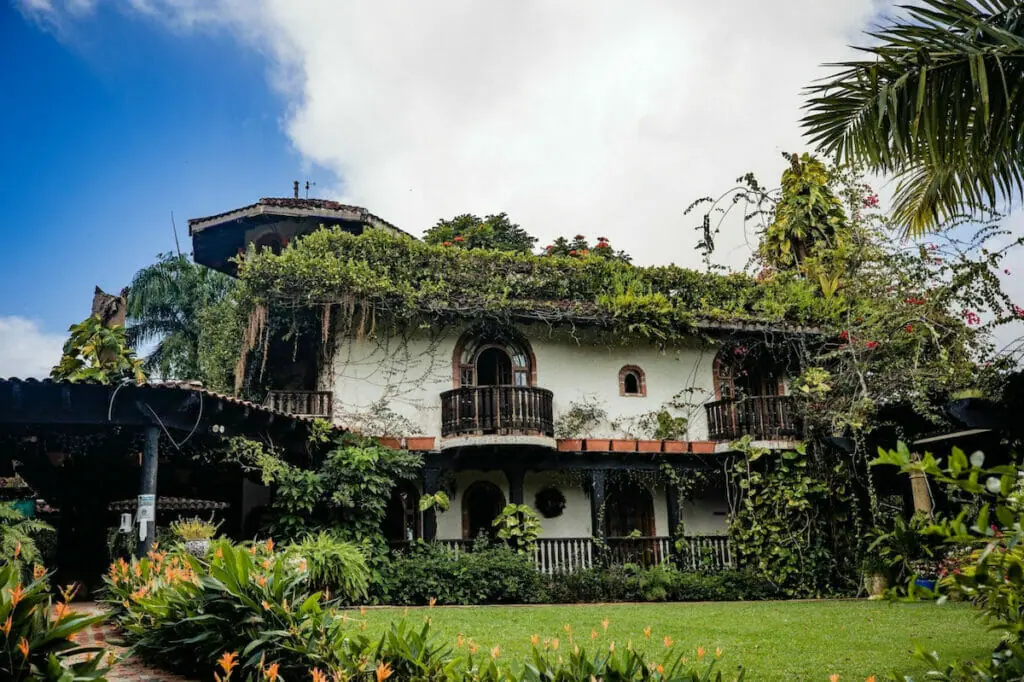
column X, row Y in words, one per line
column 146, row 515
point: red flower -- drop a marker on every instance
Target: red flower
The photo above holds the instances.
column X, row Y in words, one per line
column 844, row 335
column 910, row 328
column 460, row 238
column 871, row 201
column 1018, row 311
column 549, row 247
column 872, row 345
column 602, row 239
column 573, row 252
column 603, row 245
column 446, row 244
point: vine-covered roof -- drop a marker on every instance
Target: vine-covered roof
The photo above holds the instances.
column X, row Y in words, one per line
column 405, row 279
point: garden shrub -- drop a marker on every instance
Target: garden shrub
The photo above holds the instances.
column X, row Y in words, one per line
column 334, row 566
column 38, row 638
column 487, row 575
column 659, row 583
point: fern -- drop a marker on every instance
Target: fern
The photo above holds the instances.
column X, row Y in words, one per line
column 18, row 531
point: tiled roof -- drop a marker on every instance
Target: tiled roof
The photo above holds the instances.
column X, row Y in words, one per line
column 314, row 207
column 170, row 504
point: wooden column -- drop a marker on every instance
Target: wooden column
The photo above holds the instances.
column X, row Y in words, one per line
column 431, row 482
column 515, row 478
column 919, row 489
column 597, row 484
column 146, row 511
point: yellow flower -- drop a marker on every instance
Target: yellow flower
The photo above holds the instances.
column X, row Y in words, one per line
column 700, row 652
column 384, row 671
column 23, row 647
column 605, row 623
column 433, row 600
column 647, row 632
column 111, row 658
column 554, row 644
column 718, row 652
column 266, row 605
column 535, row 640
column 834, row 677
column 460, row 640
column 668, row 642
column 271, row 671
column 228, row 661
column 495, row 652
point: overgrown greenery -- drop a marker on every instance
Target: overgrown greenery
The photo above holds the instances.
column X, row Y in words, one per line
column 19, row 535
column 99, row 354
column 493, row 232
column 936, row 100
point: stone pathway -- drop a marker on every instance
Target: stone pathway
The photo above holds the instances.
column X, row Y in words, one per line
column 128, row 670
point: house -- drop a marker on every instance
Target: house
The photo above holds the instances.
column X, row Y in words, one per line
column 619, row 439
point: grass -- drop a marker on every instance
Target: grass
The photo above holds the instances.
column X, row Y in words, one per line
column 772, row 640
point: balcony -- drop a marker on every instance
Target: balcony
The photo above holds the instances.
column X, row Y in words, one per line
column 302, row 403
column 763, row 417
column 500, row 414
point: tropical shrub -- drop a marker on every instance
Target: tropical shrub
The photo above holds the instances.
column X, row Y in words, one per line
column 195, row 528
column 519, row 526
column 20, row 535
column 659, row 583
column 37, row 639
column 97, row 353
column 333, row 566
column 487, row 575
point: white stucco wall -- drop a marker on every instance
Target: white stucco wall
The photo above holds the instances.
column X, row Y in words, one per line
column 408, row 375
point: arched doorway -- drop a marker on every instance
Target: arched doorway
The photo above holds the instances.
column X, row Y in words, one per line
column 481, row 504
column 493, row 367
column 402, row 521
column 739, row 375
column 629, row 508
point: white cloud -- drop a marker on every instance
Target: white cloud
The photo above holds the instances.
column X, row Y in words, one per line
column 26, row 350
column 602, row 117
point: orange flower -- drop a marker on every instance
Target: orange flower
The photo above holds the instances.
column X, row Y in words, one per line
column 269, row 546
column 568, row 629
column 73, row 636
column 700, row 652
column 23, row 647
column 718, row 652
column 870, row 679
column 433, row 600
column 834, row 677
column 554, row 644
column 261, row 581
column 228, row 661
column 6, row 627
column 252, row 550
column 605, row 623
column 668, row 642
column 38, row 572
column 647, row 632
column 17, row 550
column 661, row 669
column 473, row 647
column 271, row 672
column 535, row 640
column 266, row 605
column 495, row 652
column 219, row 554
column 593, row 634
column 384, row 671
column 362, row 611
column 460, row 640
column 61, row 610
column 318, row 675
column 16, row 595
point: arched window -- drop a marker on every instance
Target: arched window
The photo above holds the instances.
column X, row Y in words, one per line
column 739, row 373
column 632, row 381
column 481, row 504
column 402, row 521
column 493, row 358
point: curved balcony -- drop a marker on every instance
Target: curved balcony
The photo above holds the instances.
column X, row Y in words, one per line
column 499, row 414
column 763, row 417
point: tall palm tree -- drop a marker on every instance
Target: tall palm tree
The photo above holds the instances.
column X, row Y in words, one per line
column 939, row 103
column 164, row 303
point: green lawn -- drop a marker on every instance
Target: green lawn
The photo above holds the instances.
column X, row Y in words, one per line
column 772, row 640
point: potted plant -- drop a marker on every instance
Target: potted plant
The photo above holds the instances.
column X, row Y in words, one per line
column 390, row 442
column 420, row 443
column 677, row 446
column 570, row 444
column 582, row 417
column 876, row 576
column 905, row 550
column 702, row 447
column 195, row 533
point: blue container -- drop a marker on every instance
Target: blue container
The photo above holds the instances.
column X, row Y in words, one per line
column 925, row 583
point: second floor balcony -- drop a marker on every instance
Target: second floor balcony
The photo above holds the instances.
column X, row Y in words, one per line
column 500, row 411
column 763, row 417
column 302, row 403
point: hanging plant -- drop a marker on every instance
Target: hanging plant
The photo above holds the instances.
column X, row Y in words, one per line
column 550, row 502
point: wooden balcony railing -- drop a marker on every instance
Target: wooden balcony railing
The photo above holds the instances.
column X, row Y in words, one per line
column 501, row 410
column 566, row 555
column 764, row 417
column 302, row 403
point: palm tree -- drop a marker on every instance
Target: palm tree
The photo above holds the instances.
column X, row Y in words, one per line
column 164, row 303
column 939, row 103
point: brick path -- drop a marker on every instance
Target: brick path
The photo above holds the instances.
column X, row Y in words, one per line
column 128, row 670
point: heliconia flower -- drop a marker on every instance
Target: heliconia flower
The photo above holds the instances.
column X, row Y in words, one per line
column 871, row 679
column 17, row 550
column 6, row 627
column 61, row 610
column 318, row 675
column 17, row 594
column 362, row 611
column 460, row 640
column 433, row 600
column 668, row 642
column 496, row 651
column 647, row 632
column 473, row 647
column 605, row 623
column 228, row 661
column 269, row 546
column 700, row 652
column 23, row 647
column 593, row 634
column 535, row 640
column 718, row 652
column 660, row 668
column 834, row 677
column 266, row 605
column 460, row 238
column 271, row 672
column 568, row 629
column 554, row 644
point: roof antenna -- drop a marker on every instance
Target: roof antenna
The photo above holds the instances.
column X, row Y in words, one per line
column 308, row 186
column 177, row 244
column 295, row 188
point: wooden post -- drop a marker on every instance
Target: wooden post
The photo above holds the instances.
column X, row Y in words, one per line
column 919, row 489
column 146, row 510
column 431, row 481
column 597, row 481
column 515, row 485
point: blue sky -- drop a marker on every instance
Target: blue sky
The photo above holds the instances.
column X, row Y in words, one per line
column 105, row 130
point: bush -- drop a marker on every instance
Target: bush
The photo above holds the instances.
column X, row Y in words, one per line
column 660, row 583
column 334, row 566
column 38, row 638
column 487, row 575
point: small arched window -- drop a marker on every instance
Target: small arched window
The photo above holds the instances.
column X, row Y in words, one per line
column 493, row 359
column 632, row 382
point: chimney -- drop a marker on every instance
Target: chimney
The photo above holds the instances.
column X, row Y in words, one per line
column 295, row 188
